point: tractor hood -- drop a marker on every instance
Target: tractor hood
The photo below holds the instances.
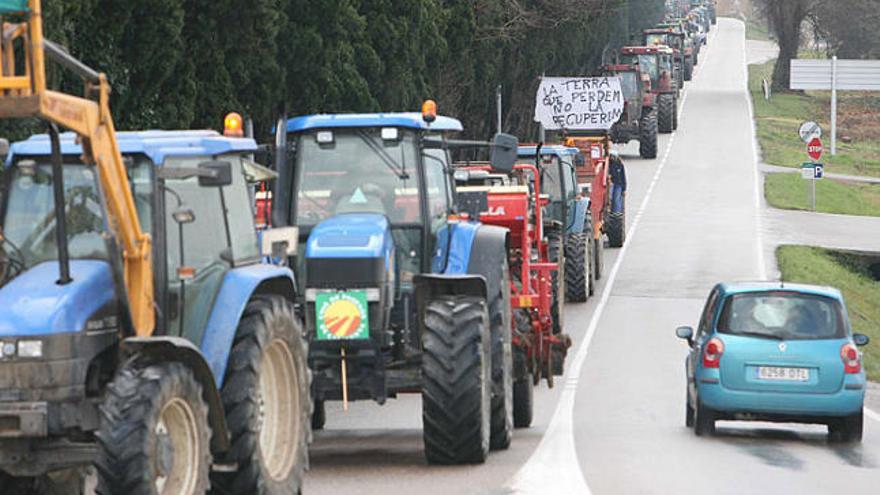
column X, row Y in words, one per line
column 33, row 304
column 351, row 235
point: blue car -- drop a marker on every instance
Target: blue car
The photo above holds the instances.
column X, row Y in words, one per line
column 775, row 352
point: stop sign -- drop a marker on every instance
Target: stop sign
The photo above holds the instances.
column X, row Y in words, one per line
column 814, row 149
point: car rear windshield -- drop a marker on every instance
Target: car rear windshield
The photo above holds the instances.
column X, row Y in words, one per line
column 782, row 315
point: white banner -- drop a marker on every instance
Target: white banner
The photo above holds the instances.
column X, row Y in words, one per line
column 579, row 103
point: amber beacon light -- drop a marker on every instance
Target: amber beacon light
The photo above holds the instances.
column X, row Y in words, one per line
column 429, row 111
column 232, row 125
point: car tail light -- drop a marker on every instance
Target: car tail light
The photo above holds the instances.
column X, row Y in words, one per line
column 712, row 353
column 852, row 361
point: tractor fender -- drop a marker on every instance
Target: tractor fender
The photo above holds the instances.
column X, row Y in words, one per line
column 474, row 249
column 581, row 210
column 239, row 286
column 163, row 349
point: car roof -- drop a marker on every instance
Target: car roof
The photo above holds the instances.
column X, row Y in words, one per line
column 156, row 145
column 729, row 288
column 410, row 120
column 557, row 149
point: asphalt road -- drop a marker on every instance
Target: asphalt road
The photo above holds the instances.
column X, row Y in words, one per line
column 615, row 425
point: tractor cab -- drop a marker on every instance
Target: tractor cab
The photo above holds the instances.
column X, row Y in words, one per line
column 656, row 61
column 558, row 166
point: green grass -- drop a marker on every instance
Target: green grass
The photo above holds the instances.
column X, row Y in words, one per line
column 861, row 292
column 792, row 192
column 778, row 120
column 757, row 30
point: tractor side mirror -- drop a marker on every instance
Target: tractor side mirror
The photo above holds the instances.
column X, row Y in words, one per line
column 215, row 173
column 504, row 152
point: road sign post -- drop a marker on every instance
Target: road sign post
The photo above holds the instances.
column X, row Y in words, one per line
column 812, row 171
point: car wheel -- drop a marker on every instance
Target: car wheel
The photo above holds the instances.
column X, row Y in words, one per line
column 704, row 420
column 688, row 413
column 847, row 429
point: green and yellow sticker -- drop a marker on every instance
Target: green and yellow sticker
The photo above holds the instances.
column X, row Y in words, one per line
column 342, row 315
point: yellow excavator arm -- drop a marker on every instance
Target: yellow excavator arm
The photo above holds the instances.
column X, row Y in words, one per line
column 23, row 93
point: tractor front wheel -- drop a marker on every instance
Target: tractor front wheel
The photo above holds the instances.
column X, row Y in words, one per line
column 556, row 252
column 266, row 399
column 502, row 363
column 154, row 436
column 666, row 113
column 577, row 268
column 457, row 380
column 648, row 135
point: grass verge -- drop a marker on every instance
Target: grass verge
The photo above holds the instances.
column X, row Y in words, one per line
column 791, row 192
column 777, row 123
column 851, row 275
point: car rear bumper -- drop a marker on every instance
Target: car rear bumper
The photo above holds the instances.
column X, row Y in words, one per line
column 848, row 400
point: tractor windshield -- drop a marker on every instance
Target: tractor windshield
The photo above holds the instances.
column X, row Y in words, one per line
column 29, row 214
column 629, row 83
column 364, row 170
column 647, row 64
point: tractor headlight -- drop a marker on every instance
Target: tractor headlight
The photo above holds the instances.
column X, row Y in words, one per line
column 30, row 348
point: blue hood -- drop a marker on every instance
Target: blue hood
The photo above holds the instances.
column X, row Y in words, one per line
column 351, row 235
column 33, row 304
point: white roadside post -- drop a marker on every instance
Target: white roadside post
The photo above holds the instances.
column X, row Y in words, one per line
column 833, row 105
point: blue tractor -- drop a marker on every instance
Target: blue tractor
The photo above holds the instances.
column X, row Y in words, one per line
column 216, row 395
column 400, row 291
column 568, row 225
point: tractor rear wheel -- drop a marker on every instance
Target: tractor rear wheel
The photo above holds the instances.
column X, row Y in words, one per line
column 523, row 389
column 556, row 252
column 577, row 268
column 457, row 380
column 666, row 113
column 502, row 363
column 688, row 70
column 599, row 257
column 267, row 403
column 154, row 435
column 648, row 135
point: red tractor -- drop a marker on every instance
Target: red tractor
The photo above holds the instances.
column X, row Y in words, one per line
column 514, row 202
column 639, row 119
column 657, row 62
column 608, row 218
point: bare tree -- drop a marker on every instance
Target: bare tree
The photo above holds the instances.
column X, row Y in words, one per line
column 786, row 18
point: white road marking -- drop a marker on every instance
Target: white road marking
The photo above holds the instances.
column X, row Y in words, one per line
column 759, row 236
column 553, row 467
column 873, row 415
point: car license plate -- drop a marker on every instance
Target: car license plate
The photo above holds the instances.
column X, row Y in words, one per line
column 783, row 374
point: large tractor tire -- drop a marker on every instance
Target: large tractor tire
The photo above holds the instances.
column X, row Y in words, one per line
column 577, row 268
column 648, row 135
column 675, row 113
column 616, row 229
column 457, row 380
column 666, row 113
column 502, row 363
column 688, row 70
column 523, row 389
column 154, row 436
column 267, row 403
column 599, row 257
column 556, row 253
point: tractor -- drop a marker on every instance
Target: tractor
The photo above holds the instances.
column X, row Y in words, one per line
column 677, row 41
column 516, row 203
column 399, row 292
column 141, row 334
column 607, row 214
column 639, row 119
column 657, row 62
column 567, row 227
